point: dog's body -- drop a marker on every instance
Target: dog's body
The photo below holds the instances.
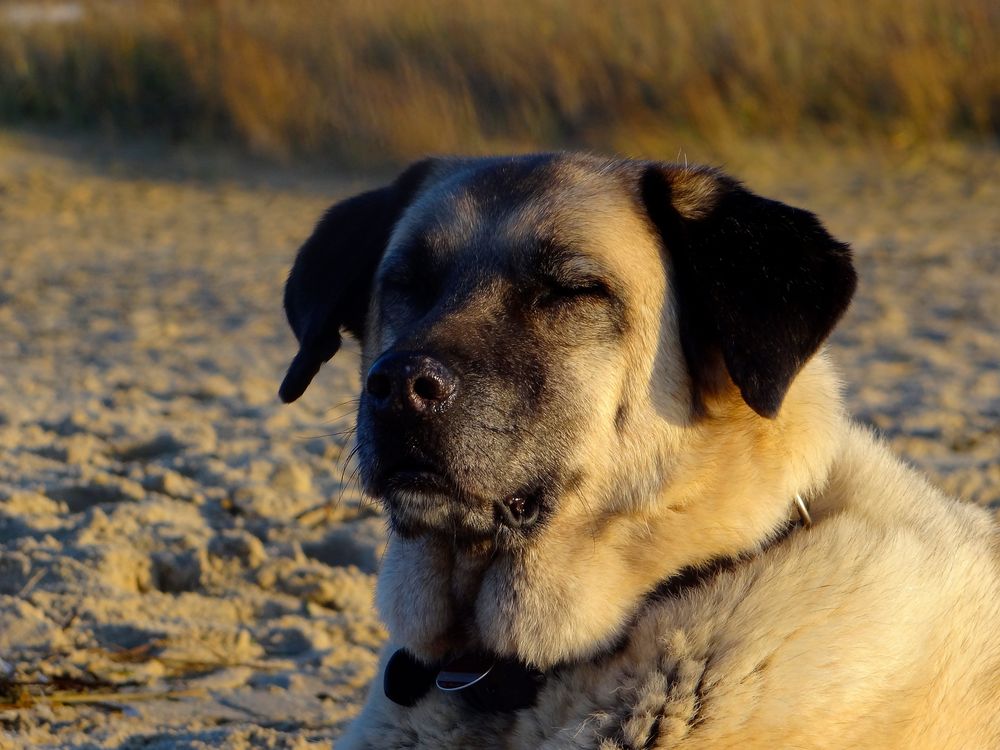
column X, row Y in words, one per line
column 594, row 392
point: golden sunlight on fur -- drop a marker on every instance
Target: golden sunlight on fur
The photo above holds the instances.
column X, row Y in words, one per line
column 873, row 625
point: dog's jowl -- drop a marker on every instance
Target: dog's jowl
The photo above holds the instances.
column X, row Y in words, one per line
column 627, row 507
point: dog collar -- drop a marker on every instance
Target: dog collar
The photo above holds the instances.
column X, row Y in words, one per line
column 696, row 575
column 495, row 684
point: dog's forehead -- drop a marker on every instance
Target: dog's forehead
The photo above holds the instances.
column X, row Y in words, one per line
column 492, row 209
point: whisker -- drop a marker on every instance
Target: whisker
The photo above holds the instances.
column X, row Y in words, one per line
column 335, row 433
column 353, row 401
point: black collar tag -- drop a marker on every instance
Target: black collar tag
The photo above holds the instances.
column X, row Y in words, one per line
column 489, row 684
column 485, row 683
column 464, row 672
column 406, row 680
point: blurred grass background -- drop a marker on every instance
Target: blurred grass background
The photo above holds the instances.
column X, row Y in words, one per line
column 371, row 83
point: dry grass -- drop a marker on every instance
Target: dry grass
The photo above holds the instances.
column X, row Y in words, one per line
column 383, row 80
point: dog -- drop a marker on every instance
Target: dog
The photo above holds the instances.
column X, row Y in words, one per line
column 627, row 508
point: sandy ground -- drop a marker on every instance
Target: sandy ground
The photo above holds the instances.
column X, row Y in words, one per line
column 185, row 563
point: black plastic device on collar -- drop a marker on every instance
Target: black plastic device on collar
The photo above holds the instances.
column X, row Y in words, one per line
column 486, row 683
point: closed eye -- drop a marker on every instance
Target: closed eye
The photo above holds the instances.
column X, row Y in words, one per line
column 416, row 291
column 400, row 283
column 578, row 288
column 558, row 292
column 565, row 274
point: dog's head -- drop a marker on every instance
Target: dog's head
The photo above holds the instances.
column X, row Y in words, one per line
column 543, row 335
column 517, row 315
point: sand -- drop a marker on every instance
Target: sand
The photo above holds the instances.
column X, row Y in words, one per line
column 187, row 563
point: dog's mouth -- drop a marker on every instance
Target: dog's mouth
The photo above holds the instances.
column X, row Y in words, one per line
column 422, row 498
column 520, row 511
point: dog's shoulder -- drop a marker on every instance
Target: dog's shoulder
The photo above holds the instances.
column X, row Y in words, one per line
column 876, row 622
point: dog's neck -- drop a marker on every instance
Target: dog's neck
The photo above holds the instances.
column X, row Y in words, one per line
column 569, row 595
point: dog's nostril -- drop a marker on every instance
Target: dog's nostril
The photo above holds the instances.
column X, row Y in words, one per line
column 378, row 385
column 430, row 389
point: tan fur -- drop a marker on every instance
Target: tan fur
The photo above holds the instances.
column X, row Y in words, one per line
column 875, row 628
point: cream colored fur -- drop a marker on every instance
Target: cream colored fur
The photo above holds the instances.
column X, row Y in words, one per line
column 878, row 627
column 875, row 628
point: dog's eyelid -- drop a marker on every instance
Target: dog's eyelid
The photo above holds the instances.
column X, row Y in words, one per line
column 408, row 264
column 568, row 271
column 579, row 285
column 406, row 288
column 402, row 276
column 569, row 289
column 397, row 281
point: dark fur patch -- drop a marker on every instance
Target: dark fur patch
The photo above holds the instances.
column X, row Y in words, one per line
column 329, row 284
column 762, row 282
column 621, row 417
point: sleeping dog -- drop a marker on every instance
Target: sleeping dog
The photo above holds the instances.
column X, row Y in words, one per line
column 627, row 507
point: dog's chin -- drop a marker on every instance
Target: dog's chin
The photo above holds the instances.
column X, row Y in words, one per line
column 426, row 503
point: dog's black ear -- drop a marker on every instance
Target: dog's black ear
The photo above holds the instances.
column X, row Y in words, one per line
column 330, row 282
column 760, row 283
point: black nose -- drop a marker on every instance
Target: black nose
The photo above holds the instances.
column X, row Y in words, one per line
column 405, row 381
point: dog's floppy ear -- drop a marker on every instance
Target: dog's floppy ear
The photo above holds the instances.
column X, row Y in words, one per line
column 758, row 282
column 330, row 282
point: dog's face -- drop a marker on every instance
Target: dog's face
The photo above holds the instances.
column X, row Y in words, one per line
column 541, row 335
column 512, row 338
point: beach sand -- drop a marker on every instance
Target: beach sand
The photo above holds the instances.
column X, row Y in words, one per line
column 187, row 563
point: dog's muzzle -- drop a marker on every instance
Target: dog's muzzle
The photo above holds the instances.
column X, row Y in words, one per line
column 411, row 412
